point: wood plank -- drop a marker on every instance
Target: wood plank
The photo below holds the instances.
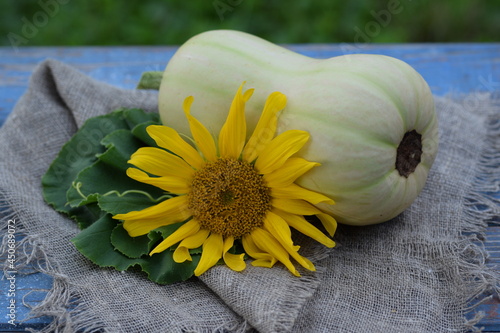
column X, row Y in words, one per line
column 448, row 68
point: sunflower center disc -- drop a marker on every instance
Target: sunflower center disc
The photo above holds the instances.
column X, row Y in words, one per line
column 229, row 197
column 409, row 153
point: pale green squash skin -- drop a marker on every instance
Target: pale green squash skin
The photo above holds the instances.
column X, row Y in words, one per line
column 357, row 109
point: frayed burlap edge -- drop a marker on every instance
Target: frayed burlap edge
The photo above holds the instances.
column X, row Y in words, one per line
column 62, row 303
column 481, row 209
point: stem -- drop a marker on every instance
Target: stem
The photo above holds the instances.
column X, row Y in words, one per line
column 77, row 187
column 150, row 80
column 138, row 192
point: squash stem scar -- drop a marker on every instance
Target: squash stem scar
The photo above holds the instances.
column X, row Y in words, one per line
column 409, row 153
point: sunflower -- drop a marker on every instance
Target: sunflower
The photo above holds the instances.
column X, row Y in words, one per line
column 232, row 190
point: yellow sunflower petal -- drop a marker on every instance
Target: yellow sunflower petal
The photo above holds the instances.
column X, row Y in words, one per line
column 294, row 191
column 168, row 138
column 211, row 253
column 265, row 241
column 233, row 133
column 196, row 240
column 201, row 135
column 171, row 184
column 266, row 127
column 295, row 206
column 278, row 228
column 247, row 94
column 143, row 226
column 262, row 259
column 275, row 154
column 292, row 169
column 174, row 206
column 233, row 261
column 300, row 224
column 187, row 229
column 281, row 231
column 328, row 222
column 161, row 163
column 308, row 263
column 264, row 262
column 181, row 253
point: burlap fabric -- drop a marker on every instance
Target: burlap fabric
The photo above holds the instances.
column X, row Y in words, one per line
column 417, row 273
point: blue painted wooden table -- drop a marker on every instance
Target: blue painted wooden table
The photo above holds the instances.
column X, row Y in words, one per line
column 448, row 68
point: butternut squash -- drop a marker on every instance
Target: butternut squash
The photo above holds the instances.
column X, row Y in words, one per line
column 371, row 117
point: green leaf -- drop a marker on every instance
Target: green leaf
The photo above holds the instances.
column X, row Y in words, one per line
column 140, row 132
column 86, row 215
column 92, row 181
column 135, row 117
column 132, row 247
column 154, row 239
column 100, row 179
column 135, row 247
column 94, row 243
column 162, row 268
column 108, row 173
column 198, row 250
column 120, row 145
column 115, row 204
column 78, row 153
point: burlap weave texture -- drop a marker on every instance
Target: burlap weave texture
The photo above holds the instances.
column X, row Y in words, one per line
column 416, row 273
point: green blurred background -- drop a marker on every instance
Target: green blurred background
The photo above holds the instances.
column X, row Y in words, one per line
column 172, row 22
